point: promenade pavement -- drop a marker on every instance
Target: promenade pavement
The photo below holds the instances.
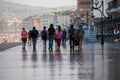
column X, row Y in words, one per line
column 91, row 62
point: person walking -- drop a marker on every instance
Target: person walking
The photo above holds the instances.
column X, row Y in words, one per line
column 34, row 36
column 23, row 38
column 51, row 34
column 80, row 34
column 71, row 32
column 58, row 36
column 64, row 37
column 29, row 38
column 44, row 36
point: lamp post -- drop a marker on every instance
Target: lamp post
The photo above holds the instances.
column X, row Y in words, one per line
column 87, row 18
column 78, row 19
column 102, row 14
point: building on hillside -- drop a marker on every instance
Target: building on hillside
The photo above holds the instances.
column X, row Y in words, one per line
column 64, row 20
column 36, row 22
column 31, row 21
column 56, row 19
column 3, row 26
column 46, row 20
column 10, row 25
column 71, row 14
column 27, row 23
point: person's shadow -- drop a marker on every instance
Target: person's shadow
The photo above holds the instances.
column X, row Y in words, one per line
column 44, row 55
column 58, row 55
column 79, row 55
column 24, row 58
column 72, row 56
column 34, row 58
column 24, row 55
column 51, row 56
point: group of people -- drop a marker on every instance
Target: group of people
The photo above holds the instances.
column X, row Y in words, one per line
column 33, row 34
column 51, row 34
column 76, row 36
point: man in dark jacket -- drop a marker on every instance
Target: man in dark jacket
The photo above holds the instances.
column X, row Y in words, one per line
column 51, row 35
column 71, row 36
column 34, row 36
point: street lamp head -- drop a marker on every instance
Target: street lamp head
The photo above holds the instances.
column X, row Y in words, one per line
column 78, row 15
column 96, row 2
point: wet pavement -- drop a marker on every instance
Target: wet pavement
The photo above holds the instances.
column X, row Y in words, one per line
column 92, row 62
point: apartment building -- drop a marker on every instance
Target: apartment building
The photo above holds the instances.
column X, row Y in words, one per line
column 31, row 21
column 55, row 19
column 10, row 25
column 46, row 20
column 113, row 12
column 83, row 7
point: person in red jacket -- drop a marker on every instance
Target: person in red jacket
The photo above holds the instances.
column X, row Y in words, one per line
column 58, row 36
column 23, row 37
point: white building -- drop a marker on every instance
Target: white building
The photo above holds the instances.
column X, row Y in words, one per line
column 10, row 25
column 64, row 20
column 31, row 21
column 46, row 20
column 27, row 23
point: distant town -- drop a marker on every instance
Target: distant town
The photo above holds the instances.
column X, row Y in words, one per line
column 15, row 16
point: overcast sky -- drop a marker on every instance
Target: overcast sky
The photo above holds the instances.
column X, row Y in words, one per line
column 46, row 3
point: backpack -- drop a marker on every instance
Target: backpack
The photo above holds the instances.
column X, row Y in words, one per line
column 80, row 32
column 34, row 33
column 44, row 34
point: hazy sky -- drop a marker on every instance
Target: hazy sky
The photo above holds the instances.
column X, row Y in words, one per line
column 46, row 3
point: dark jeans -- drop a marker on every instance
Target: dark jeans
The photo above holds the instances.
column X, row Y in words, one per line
column 51, row 39
column 72, row 39
column 64, row 41
column 34, row 40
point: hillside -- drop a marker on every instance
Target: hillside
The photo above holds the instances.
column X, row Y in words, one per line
column 9, row 9
column 68, row 8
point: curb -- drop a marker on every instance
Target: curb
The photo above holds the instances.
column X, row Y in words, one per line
column 5, row 46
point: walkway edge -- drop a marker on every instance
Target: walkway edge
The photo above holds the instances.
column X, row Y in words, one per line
column 5, row 46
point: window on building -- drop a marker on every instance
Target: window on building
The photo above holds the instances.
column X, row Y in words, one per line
column 84, row 3
column 84, row 9
column 115, row 3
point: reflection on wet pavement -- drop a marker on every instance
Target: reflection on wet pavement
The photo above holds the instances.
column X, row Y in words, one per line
column 92, row 62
